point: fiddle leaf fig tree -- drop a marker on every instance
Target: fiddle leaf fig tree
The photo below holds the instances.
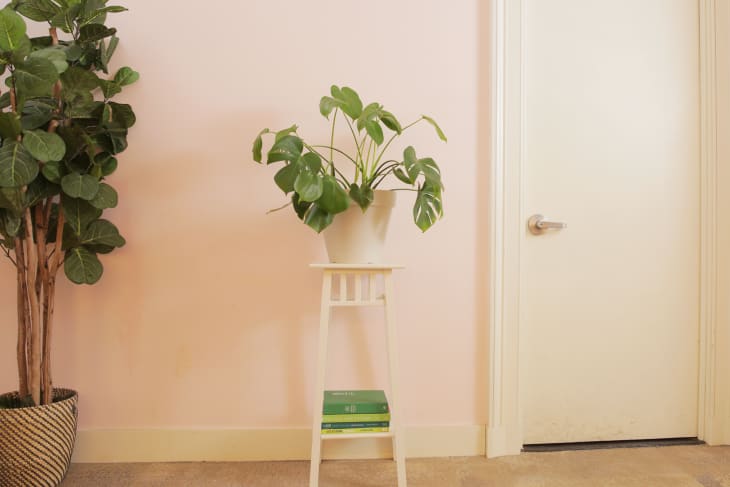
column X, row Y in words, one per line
column 319, row 190
column 60, row 134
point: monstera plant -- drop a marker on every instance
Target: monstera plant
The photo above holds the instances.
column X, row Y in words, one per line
column 61, row 133
column 319, row 184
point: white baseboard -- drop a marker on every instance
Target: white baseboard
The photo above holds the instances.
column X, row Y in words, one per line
column 166, row 445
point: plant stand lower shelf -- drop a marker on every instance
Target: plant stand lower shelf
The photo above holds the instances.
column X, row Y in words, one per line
column 364, row 292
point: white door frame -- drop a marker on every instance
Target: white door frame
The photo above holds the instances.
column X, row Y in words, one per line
column 505, row 430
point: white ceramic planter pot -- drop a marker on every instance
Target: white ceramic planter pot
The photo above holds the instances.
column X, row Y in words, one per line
column 355, row 237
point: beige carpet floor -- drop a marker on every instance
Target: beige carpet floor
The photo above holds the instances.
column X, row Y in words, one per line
column 676, row 466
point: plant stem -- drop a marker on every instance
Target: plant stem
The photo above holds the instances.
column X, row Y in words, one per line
column 50, row 262
column 392, row 138
column 332, row 140
column 357, row 146
column 22, row 347
column 35, row 332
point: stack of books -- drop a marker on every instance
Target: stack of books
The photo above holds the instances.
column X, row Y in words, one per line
column 348, row 412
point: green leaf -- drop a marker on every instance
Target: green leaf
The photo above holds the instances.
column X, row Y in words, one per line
column 311, row 161
column 427, row 167
column 98, row 16
column 300, row 207
column 375, row 132
column 435, row 125
column 334, row 199
column 53, row 171
column 95, row 32
column 289, row 148
column 123, row 114
column 106, row 52
column 44, row 146
column 55, row 55
column 36, row 113
column 107, row 162
column 21, row 51
column 258, row 144
column 38, row 10
column 348, row 100
column 64, row 20
column 106, row 114
column 77, row 79
column 391, row 122
column 102, row 232
column 12, row 29
column 326, row 105
column 427, row 208
column 35, row 77
column 400, row 174
column 74, row 52
column 105, row 198
column 113, row 138
column 283, row 133
column 9, row 125
column 12, row 199
column 78, row 213
column 126, row 76
column 84, row 186
column 309, row 186
column 82, row 267
column 17, row 166
column 363, row 196
column 285, row 177
column 11, row 224
column 370, row 113
column 109, row 88
column 317, row 219
column 38, row 190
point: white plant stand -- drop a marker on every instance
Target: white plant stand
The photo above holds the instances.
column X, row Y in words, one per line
column 363, row 278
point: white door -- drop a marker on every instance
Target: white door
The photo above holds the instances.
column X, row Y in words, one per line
column 611, row 147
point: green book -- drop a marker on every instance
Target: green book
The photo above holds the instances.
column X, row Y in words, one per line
column 355, row 402
column 350, row 431
column 371, row 424
column 355, row 418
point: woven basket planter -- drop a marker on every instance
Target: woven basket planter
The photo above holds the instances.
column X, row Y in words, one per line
column 36, row 442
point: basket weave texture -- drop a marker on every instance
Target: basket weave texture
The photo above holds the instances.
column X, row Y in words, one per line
column 36, row 442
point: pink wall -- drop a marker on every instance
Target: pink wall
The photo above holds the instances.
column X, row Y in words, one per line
column 208, row 317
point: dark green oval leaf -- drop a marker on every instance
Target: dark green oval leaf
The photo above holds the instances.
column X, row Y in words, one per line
column 102, row 232
column 9, row 125
column 105, row 198
column 53, row 171
column 84, row 186
column 78, row 213
column 12, row 29
column 82, row 267
column 17, row 166
column 44, row 146
column 35, row 77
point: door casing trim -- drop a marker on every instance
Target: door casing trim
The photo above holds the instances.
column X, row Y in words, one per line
column 505, row 430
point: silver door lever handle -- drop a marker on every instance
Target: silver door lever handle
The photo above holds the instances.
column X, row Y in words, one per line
column 538, row 225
